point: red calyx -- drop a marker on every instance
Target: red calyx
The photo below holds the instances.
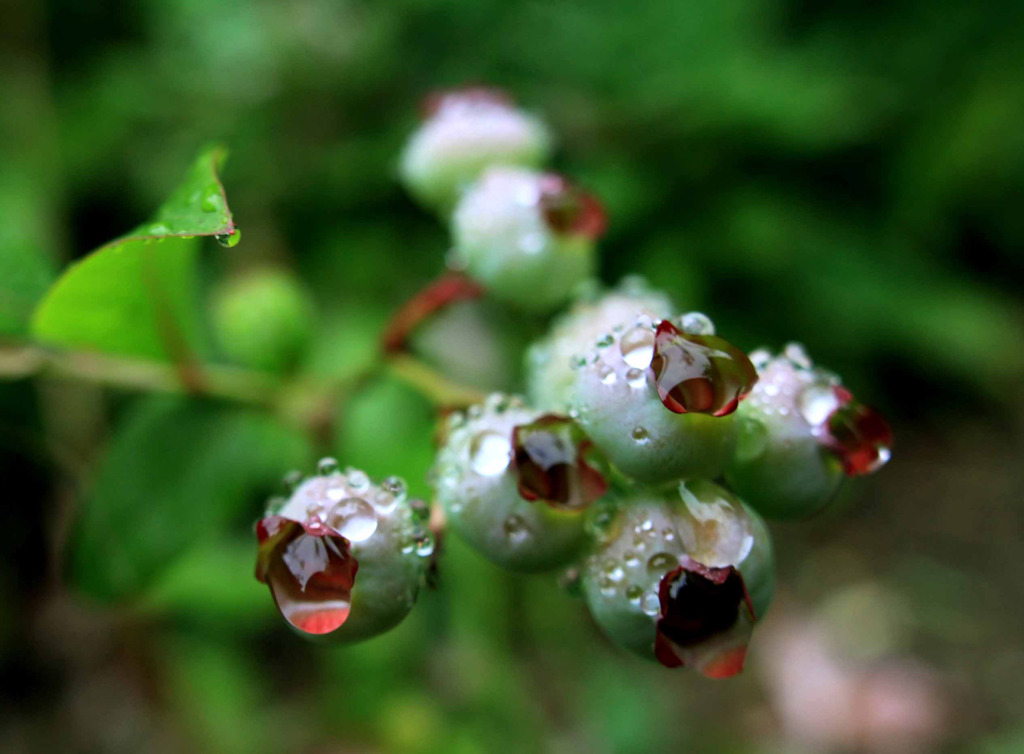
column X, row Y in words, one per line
column 857, row 435
column 549, row 456
column 706, row 619
column 702, row 374
column 568, row 210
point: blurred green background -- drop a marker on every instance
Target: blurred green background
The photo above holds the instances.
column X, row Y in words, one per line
column 845, row 174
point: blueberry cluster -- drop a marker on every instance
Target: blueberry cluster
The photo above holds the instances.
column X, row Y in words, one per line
column 641, row 458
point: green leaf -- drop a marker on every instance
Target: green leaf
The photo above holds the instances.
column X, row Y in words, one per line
column 25, row 274
column 233, row 601
column 137, row 295
column 177, row 475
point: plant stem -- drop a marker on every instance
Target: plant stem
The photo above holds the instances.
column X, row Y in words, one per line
column 227, row 383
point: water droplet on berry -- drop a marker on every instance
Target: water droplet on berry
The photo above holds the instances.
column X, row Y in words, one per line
column 650, row 605
column 697, row 323
column 640, row 435
column 490, row 453
column 515, row 529
column 815, row 402
column 327, row 466
column 699, row 373
column 353, row 518
column 662, row 562
column 636, row 377
column 634, row 592
column 310, row 573
column 394, row 485
column 637, row 346
column 425, row 545
column 796, row 354
column 358, row 480
column 607, row 374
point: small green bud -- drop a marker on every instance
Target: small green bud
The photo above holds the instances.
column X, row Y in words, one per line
column 263, row 319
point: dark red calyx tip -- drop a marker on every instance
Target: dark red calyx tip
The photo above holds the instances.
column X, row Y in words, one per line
column 434, row 102
column 702, row 374
column 310, row 572
column 857, row 435
column 550, row 459
column 706, row 619
column 447, row 289
column 568, row 210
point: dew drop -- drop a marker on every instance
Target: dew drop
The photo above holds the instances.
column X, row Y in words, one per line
column 607, row 374
column 634, row 592
column 661, row 563
column 515, row 529
column 606, row 340
column 640, row 435
column 425, row 545
column 394, row 485
column 697, row 323
column 796, row 354
column 490, row 453
column 310, row 574
column 212, row 202
column 637, row 346
column 229, row 240
column 327, row 466
column 636, row 377
column 650, row 605
column 358, row 480
column 816, row 402
column 353, row 518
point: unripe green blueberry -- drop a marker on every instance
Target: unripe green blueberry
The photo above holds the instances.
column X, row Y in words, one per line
column 799, row 432
column 263, row 319
column 657, row 399
column 648, row 535
column 463, row 133
column 528, row 237
column 344, row 557
column 549, row 372
column 479, row 481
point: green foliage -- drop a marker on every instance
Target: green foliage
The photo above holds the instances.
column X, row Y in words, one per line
column 25, row 274
column 137, row 296
column 178, row 474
